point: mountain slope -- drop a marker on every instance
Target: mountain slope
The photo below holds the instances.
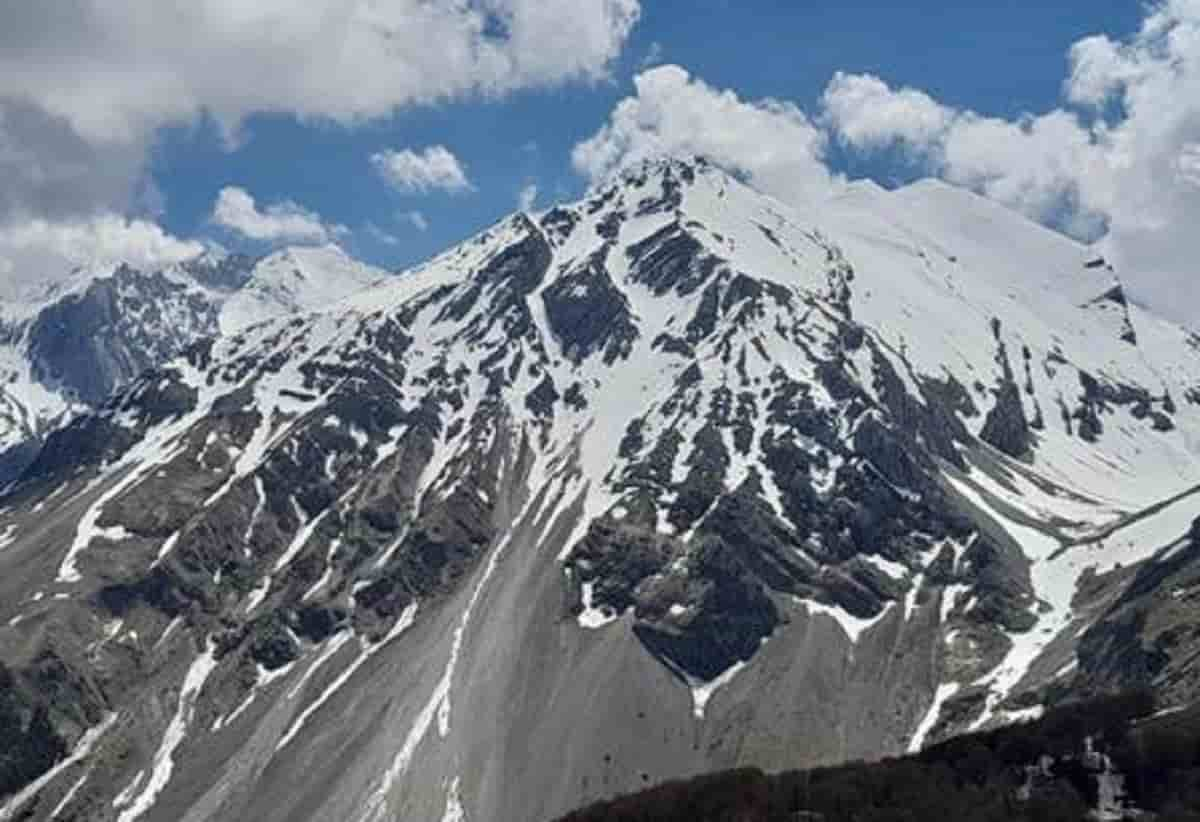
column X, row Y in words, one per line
column 67, row 349
column 672, row 479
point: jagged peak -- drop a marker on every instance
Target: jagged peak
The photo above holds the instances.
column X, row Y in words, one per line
column 657, row 166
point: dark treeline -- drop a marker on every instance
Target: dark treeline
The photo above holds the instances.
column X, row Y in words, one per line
column 976, row 778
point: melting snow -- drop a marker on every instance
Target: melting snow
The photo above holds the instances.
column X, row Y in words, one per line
column 164, row 758
column 167, row 546
column 326, row 575
column 893, row 569
column 257, row 595
column 307, row 527
column 702, row 692
column 853, row 626
column 402, row 624
column 454, row 809
column 593, row 617
column 944, row 693
column 258, row 509
column 69, row 795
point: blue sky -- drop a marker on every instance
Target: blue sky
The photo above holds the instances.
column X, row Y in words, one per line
column 143, row 130
column 996, row 58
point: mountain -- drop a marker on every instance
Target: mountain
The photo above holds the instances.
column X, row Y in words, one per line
column 673, row 479
column 293, row 280
column 67, row 348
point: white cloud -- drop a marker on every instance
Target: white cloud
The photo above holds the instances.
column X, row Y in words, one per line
column 416, row 219
column 527, row 197
column 869, row 114
column 1034, row 165
column 237, row 211
column 770, row 141
column 1121, row 155
column 38, row 251
column 87, row 85
column 105, row 239
column 115, row 70
column 434, row 168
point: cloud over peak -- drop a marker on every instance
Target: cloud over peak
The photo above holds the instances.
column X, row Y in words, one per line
column 771, row 141
column 1120, row 158
column 286, row 221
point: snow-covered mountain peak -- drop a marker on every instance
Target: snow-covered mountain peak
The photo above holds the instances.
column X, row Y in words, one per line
column 862, row 473
column 296, row 279
column 68, row 346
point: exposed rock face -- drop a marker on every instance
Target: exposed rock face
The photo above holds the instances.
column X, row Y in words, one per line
column 655, row 483
column 1006, row 428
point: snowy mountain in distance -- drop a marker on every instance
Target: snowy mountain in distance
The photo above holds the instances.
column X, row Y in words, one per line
column 295, row 280
column 672, row 479
column 67, row 347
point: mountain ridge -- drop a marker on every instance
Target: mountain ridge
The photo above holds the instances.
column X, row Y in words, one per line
column 68, row 348
column 661, row 481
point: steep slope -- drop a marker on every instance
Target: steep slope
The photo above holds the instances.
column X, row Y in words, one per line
column 69, row 347
column 672, row 479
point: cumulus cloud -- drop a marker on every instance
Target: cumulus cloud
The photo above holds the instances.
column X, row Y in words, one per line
column 49, row 171
column 38, row 251
column 434, row 168
column 770, row 141
column 868, row 113
column 114, row 70
column 286, row 221
column 1120, row 158
column 1035, row 164
column 87, row 85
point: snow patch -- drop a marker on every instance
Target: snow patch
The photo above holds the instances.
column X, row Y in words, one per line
column 402, row 624
column 943, row 694
column 853, row 626
column 307, row 527
column 702, row 692
column 454, row 809
column 69, row 795
column 164, row 759
column 593, row 617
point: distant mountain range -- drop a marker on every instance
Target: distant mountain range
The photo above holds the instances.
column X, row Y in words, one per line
column 67, row 349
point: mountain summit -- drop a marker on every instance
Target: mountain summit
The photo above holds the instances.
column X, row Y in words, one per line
column 671, row 479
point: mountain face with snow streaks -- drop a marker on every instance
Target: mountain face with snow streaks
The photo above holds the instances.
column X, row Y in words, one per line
column 67, row 349
column 671, row 479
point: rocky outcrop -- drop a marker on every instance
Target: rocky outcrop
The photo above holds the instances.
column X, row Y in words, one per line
column 1006, row 427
